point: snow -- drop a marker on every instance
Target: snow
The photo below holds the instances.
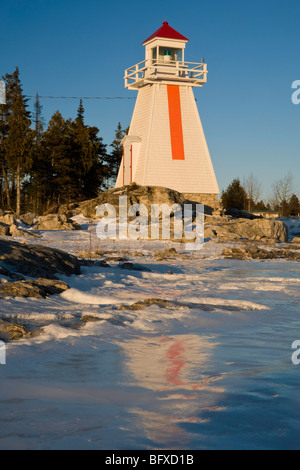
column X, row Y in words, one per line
column 212, row 370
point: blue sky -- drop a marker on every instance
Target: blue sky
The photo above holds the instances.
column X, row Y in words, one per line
column 75, row 48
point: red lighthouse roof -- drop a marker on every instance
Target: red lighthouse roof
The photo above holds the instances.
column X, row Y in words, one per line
column 165, row 31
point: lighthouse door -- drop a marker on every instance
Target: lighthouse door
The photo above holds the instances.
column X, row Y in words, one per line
column 127, row 164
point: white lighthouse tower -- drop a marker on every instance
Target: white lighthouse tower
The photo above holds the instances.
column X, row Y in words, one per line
column 166, row 145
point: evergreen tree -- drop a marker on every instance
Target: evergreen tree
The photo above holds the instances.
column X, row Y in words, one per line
column 76, row 159
column 59, row 168
column 115, row 156
column 261, row 206
column 89, row 154
column 80, row 112
column 33, row 187
column 294, row 206
column 284, row 209
column 19, row 137
column 235, row 196
column 3, row 165
column 38, row 118
column 96, row 168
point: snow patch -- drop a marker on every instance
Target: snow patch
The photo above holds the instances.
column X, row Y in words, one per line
column 79, row 297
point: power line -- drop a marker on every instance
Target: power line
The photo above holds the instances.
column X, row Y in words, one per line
column 86, row 97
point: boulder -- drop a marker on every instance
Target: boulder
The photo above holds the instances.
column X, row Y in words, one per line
column 37, row 261
column 38, row 288
column 167, row 253
column 296, row 240
column 11, row 331
column 69, row 210
column 263, row 228
column 28, row 218
column 260, row 254
column 256, row 229
column 4, row 230
column 56, row 222
column 14, row 231
column 133, row 267
column 8, row 219
column 143, row 304
column 4, row 272
column 136, row 194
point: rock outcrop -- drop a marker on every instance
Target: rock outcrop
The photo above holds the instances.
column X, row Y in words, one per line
column 40, row 265
column 8, row 219
column 56, row 222
column 39, row 288
column 36, row 261
column 9, row 226
column 11, row 331
column 14, row 231
column 136, row 194
column 4, row 230
column 237, row 229
column 28, row 219
column 260, row 254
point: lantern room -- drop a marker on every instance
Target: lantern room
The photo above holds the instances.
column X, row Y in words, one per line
column 165, row 61
column 165, row 45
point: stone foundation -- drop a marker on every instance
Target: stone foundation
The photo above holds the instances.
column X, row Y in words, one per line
column 206, row 199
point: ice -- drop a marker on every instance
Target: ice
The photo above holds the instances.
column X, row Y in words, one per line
column 211, row 370
column 79, row 297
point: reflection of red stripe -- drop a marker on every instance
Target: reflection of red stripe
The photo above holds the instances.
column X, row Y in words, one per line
column 175, row 122
column 177, row 362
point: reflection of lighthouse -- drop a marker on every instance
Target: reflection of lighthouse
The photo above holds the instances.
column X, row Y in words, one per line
column 170, row 363
column 175, row 369
column 166, row 145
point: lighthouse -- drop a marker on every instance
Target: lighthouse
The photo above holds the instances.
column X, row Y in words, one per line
column 166, row 145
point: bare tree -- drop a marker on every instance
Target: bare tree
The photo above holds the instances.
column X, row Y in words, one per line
column 282, row 191
column 253, row 188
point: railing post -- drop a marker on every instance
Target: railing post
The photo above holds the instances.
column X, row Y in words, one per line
column 205, row 72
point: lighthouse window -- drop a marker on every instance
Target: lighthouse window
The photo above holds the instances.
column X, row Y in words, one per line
column 168, row 53
column 179, row 55
column 154, row 53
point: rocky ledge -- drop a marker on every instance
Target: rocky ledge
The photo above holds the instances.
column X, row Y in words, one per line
column 256, row 253
column 38, row 288
column 36, row 261
column 31, row 271
column 40, row 264
column 228, row 229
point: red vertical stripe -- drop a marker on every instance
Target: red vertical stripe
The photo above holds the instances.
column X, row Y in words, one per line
column 123, row 166
column 175, row 122
column 131, row 164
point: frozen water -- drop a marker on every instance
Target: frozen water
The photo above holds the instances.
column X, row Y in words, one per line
column 210, row 370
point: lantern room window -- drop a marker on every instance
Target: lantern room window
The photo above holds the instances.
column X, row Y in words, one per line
column 154, row 53
column 167, row 54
